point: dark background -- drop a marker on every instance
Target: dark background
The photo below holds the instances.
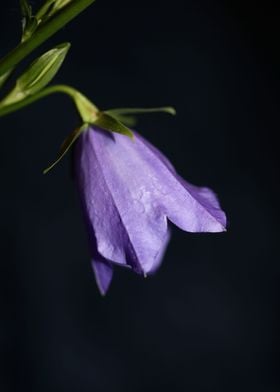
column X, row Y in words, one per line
column 209, row 319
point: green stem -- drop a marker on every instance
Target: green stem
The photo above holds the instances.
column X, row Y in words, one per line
column 87, row 110
column 44, row 31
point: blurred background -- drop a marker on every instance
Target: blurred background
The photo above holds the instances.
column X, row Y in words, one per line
column 209, row 319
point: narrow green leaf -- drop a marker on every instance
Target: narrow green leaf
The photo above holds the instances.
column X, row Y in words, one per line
column 38, row 74
column 109, row 123
column 66, row 145
column 165, row 109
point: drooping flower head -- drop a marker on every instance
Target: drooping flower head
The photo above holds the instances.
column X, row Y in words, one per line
column 129, row 192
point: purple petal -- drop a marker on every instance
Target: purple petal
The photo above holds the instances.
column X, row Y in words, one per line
column 104, row 220
column 129, row 189
column 160, row 255
column 189, row 207
column 128, row 229
column 205, row 196
column 102, row 268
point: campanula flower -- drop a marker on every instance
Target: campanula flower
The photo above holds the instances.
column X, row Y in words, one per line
column 129, row 192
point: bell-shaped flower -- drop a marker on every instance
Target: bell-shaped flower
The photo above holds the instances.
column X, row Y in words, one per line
column 129, row 192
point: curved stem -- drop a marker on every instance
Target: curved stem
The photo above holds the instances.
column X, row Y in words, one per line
column 86, row 109
column 44, row 31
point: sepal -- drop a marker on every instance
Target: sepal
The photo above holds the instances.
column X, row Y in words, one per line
column 129, row 121
column 129, row 111
column 103, row 121
column 66, row 145
column 128, row 117
column 110, row 123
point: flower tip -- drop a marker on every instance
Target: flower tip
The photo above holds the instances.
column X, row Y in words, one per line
column 48, row 169
column 171, row 110
column 102, row 292
column 103, row 273
column 45, row 171
column 65, row 45
column 103, row 287
column 223, row 227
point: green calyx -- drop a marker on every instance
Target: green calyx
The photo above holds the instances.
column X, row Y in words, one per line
column 112, row 120
column 90, row 116
column 32, row 85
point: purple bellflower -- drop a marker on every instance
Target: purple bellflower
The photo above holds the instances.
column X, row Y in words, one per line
column 129, row 191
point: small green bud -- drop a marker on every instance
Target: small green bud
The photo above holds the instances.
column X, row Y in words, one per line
column 60, row 4
column 29, row 22
column 38, row 74
column 26, row 9
column 50, row 8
